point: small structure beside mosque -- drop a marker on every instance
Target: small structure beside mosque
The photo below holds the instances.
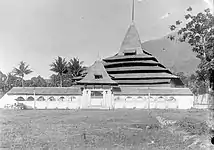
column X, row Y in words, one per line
column 133, row 78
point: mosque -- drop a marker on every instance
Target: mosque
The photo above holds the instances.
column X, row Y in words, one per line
column 132, row 78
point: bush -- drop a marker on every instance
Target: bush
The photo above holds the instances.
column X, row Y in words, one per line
column 192, row 126
column 20, row 106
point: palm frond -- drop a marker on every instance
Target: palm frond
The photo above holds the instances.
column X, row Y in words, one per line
column 75, row 67
column 22, row 69
column 59, row 65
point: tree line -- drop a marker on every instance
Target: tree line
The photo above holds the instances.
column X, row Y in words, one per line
column 64, row 74
column 195, row 82
column 198, row 31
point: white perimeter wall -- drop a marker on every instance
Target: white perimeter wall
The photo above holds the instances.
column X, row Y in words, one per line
column 77, row 101
column 68, row 102
column 157, row 102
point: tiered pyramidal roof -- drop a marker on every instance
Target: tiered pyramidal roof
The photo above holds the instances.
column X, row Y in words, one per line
column 133, row 66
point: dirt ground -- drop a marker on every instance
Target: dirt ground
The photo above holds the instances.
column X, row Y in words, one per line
column 101, row 129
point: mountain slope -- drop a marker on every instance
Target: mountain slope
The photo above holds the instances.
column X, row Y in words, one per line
column 176, row 56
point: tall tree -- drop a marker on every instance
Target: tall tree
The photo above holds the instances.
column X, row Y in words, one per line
column 22, row 70
column 199, row 33
column 59, row 67
column 75, row 67
column 196, row 85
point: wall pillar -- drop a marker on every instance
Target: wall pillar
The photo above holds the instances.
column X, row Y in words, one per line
column 109, row 99
column 112, row 100
column 105, row 101
column 88, row 98
column 67, row 101
column 85, row 100
column 46, row 101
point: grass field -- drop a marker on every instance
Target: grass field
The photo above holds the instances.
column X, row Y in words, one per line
column 99, row 129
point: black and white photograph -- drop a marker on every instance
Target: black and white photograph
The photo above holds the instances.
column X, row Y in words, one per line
column 106, row 74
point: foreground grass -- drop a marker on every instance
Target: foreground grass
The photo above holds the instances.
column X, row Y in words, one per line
column 98, row 129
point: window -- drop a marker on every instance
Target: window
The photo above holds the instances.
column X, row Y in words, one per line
column 96, row 76
column 129, row 52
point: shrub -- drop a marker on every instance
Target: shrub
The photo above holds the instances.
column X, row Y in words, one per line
column 192, row 126
column 20, row 106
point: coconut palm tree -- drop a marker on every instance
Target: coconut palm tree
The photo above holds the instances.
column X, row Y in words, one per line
column 75, row 67
column 59, row 67
column 22, row 70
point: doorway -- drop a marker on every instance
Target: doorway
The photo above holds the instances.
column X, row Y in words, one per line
column 96, row 98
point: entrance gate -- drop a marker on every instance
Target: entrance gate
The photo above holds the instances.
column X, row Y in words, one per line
column 96, row 98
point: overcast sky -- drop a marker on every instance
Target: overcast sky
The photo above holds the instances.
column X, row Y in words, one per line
column 37, row 31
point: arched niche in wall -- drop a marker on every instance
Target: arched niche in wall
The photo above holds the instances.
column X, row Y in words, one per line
column 30, row 98
column 70, row 98
column 128, row 99
column 61, row 99
column 161, row 98
column 141, row 98
column 171, row 99
column 117, row 98
column 152, row 99
column 41, row 98
column 73, row 99
column 51, row 98
column 20, row 98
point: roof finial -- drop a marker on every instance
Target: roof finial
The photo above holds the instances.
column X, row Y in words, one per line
column 98, row 56
column 132, row 11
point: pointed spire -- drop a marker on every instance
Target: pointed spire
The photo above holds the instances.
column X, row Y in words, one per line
column 131, row 41
column 98, row 56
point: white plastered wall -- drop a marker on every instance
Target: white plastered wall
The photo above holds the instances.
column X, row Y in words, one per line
column 185, row 102
column 7, row 99
column 153, row 102
column 78, row 101
column 69, row 102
